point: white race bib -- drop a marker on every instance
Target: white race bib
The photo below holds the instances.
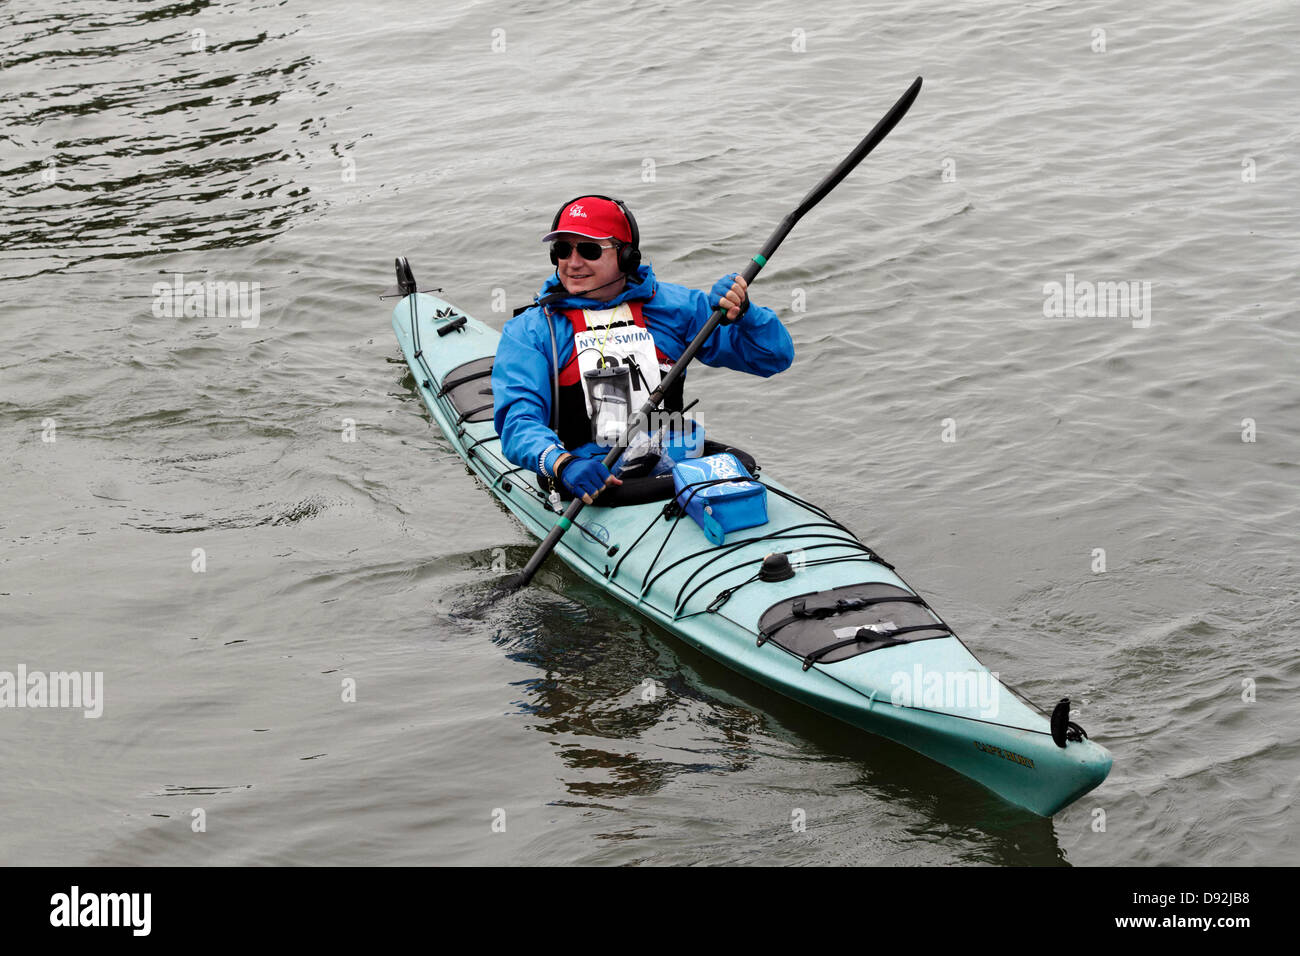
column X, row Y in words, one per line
column 614, row 334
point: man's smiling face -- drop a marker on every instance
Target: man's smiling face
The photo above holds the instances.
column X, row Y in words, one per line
column 602, row 276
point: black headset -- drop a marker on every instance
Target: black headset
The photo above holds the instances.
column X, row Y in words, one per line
column 629, row 254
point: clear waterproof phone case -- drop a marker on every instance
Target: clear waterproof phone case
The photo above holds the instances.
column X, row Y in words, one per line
column 610, row 389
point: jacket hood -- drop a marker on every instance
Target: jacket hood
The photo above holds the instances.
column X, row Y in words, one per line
column 640, row 286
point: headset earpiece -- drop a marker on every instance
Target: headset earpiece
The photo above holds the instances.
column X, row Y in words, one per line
column 629, row 255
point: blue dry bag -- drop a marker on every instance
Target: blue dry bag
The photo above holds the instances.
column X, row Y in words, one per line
column 720, row 494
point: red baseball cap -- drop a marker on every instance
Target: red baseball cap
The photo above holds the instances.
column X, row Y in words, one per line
column 594, row 218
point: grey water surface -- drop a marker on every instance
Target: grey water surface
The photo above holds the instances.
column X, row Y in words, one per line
column 245, row 521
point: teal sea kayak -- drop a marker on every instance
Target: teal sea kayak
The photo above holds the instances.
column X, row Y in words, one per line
column 797, row 604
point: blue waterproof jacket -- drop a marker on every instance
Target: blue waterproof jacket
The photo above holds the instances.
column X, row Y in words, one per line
column 521, row 373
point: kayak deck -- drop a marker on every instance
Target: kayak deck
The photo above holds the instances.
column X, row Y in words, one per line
column 916, row 684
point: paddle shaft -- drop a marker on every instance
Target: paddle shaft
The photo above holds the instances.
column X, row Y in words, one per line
column 818, row 193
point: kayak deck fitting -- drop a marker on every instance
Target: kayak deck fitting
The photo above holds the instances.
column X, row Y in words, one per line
column 824, row 620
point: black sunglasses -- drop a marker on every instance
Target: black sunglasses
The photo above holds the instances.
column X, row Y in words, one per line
column 591, row 251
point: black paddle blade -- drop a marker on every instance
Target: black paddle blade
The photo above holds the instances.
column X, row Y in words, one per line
column 500, row 591
column 869, row 142
column 842, row 169
column 478, row 606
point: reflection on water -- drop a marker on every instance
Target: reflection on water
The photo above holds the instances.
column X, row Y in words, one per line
column 133, row 129
column 621, row 735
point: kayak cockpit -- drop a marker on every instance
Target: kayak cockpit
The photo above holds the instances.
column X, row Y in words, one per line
column 468, row 387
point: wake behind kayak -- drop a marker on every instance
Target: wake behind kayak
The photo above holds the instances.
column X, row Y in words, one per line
column 797, row 604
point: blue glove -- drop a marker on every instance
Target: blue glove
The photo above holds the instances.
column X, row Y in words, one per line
column 721, row 288
column 584, row 477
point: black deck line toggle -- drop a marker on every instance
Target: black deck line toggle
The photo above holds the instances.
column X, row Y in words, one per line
column 455, row 325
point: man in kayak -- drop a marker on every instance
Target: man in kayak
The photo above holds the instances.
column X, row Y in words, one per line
column 614, row 331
